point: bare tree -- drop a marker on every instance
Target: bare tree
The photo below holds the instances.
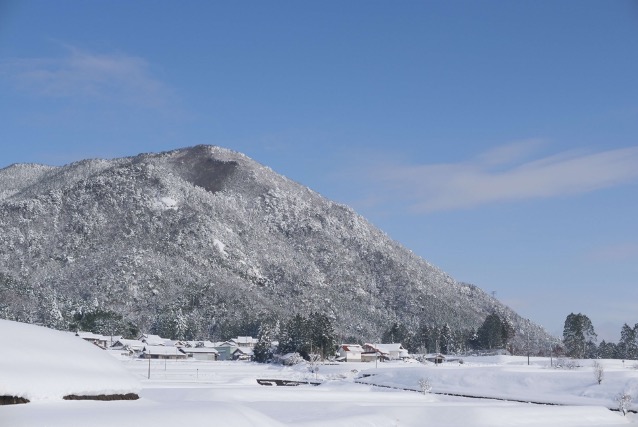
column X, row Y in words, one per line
column 624, row 400
column 599, row 371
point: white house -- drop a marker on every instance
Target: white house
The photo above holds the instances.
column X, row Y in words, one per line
column 134, row 347
column 393, row 351
column 151, row 339
column 200, row 353
column 349, row 353
column 162, row 352
column 99, row 340
column 245, row 341
column 243, row 353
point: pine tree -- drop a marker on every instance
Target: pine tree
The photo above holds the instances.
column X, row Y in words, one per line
column 629, row 341
column 262, row 352
column 579, row 336
column 494, row 332
column 446, row 340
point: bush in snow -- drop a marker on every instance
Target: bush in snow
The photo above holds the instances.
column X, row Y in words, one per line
column 623, row 399
column 425, row 385
column 289, row 359
column 565, row 363
column 599, row 371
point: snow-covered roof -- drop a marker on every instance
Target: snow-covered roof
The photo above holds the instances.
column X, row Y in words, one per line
column 245, row 340
column 42, row 363
column 91, row 336
column 162, row 350
column 132, row 344
column 151, row 339
column 387, row 348
column 201, row 350
column 201, row 343
column 353, row 348
column 244, row 350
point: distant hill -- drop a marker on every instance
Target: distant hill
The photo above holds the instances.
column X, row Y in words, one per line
column 208, row 241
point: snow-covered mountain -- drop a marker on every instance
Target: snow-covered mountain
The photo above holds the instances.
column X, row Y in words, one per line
column 207, row 239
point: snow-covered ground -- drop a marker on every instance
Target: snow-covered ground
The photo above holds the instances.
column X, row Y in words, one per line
column 351, row 394
column 186, row 392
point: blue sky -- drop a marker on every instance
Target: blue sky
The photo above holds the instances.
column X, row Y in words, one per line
column 496, row 139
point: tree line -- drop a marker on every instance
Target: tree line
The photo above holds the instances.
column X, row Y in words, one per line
column 579, row 339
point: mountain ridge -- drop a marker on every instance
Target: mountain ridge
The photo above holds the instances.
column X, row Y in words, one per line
column 210, row 238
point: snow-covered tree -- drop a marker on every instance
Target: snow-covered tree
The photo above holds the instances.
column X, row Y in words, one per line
column 579, row 336
column 262, row 352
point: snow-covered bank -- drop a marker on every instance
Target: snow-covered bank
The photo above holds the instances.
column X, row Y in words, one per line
column 535, row 383
column 38, row 363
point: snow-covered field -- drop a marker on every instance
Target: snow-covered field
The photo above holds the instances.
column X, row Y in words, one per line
column 209, row 393
column 186, row 392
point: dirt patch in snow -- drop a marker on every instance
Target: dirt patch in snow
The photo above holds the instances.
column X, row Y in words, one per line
column 127, row 396
column 12, row 400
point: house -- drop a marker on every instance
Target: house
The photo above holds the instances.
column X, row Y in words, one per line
column 435, row 358
column 162, row 352
column 349, row 353
column 98, row 340
column 393, row 351
column 133, row 347
column 242, row 353
column 174, row 343
column 200, row 353
column 245, row 341
column 225, row 349
column 198, row 344
column 151, row 339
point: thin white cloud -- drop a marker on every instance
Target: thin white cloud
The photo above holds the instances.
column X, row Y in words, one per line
column 503, row 175
column 81, row 74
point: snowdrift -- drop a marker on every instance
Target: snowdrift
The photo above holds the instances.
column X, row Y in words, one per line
column 38, row 363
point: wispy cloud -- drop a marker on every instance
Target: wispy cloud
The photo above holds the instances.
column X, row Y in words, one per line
column 81, row 74
column 504, row 174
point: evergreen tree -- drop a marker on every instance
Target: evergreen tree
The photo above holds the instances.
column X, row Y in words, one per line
column 607, row 350
column 322, row 335
column 629, row 342
column 579, row 336
column 295, row 337
column 494, row 332
column 446, row 340
column 262, row 352
column 397, row 333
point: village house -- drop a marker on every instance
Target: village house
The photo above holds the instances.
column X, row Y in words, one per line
column 225, row 350
column 245, row 341
column 151, row 339
column 349, row 353
column 132, row 347
column 162, row 352
column 99, row 340
column 393, row 351
column 243, row 353
column 200, row 353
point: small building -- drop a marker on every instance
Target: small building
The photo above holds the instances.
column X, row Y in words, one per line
column 162, row 352
column 200, row 353
column 245, row 341
column 436, row 358
column 243, row 353
column 151, row 339
column 225, row 350
column 393, row 351
column 99, row 340
column 132, row 347
column 349, row 353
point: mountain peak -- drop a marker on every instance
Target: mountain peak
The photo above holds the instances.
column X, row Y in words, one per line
column 209, row 239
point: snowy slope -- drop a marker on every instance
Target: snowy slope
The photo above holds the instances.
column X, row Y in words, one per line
column 38, row 363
